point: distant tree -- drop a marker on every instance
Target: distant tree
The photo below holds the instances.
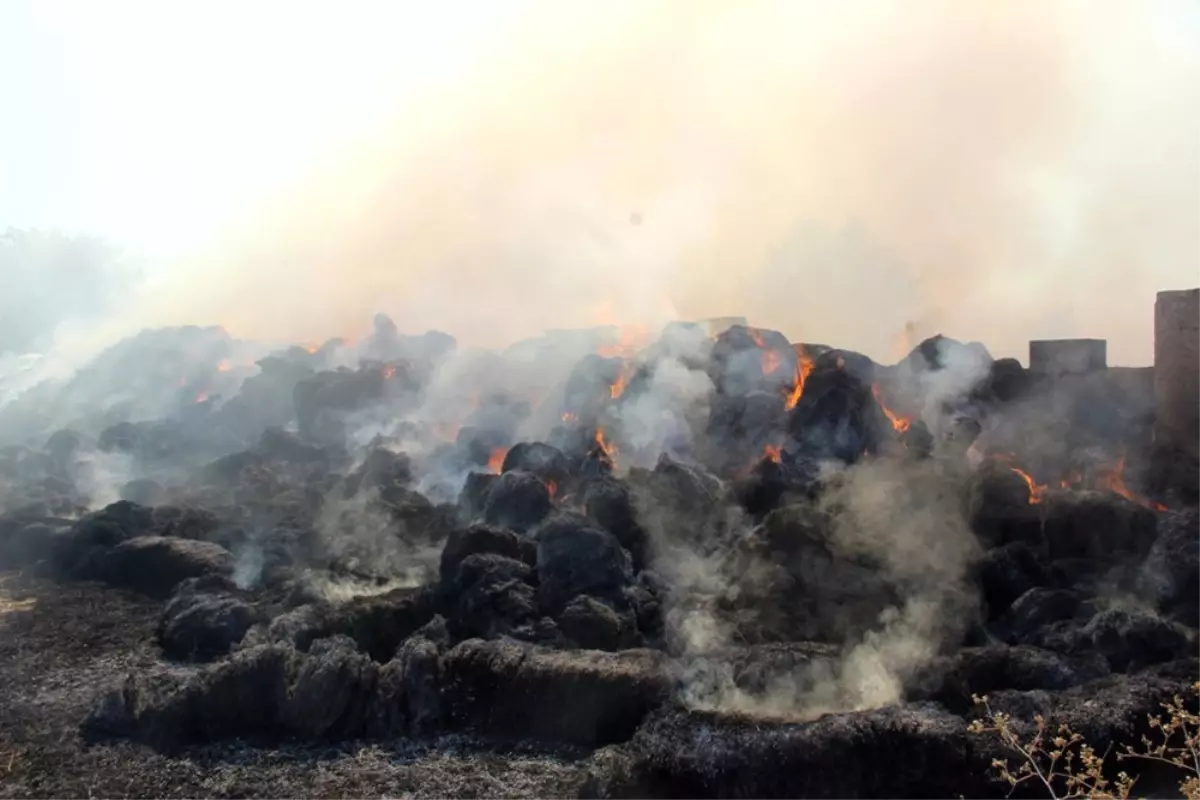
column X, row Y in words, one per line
column 50, row 277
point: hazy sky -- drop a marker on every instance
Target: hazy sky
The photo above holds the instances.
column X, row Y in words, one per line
column 998, row 171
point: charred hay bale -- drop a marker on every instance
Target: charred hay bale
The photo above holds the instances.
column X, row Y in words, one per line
column 913, row 751
column 517, row 500
column 155, row 565
column 798, row 583
column 583, row 697
column 575, row 556
column 377, row 623
column 381, row 469
column 745, row 359
column 474, row 445
column 680, row 500
column 740, row 426
column 1006, row 573
column 1036, row 609
column 323, row 400
column 538, row 458
column 144, row 492
column 204, row 619
column 95, row 533
column 1109, row 713
column 27, row 539
column 1098, row 525
column 837, row 416
column 243, row 696
column 380, row 623
column 593, row 624
column 983, row 670
column 1170, row 575
column 609, row 502
column 473, row 498
column 999, row 508
column 330, row 692
column 1132, row 638
column 185, row 523
column 1007, row 381
column 407, row 700
column 464, row 542
column 489, row 596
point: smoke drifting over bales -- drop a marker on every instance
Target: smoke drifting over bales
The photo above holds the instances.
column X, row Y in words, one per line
column 999, row 173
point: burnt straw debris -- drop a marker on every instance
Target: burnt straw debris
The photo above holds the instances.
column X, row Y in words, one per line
column 703, row 563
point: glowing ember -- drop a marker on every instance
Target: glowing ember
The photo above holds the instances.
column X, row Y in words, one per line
column 388, row 371
column 552, row 487
column 804, row 368
column 200, row 398
column 772, row 452
column 496, row 459
column 770, row 359
column 898, row 422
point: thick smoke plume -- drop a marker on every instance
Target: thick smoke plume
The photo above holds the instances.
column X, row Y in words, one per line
column 867, row 175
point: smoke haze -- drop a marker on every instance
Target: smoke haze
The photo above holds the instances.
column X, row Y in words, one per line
column 861, row 175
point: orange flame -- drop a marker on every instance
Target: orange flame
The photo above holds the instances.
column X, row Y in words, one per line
column 617, row 387
column 804, row 368
column 772, row 452
column 608, row 448
column 552, row 487
column 1036, row 491
column 200, row 398
column 312, row 348
column 1112, row 479
column 388, row 371
column 900, row 423
column 770, row 359
column 630, row 339
column 496, row 460
column 223, row 365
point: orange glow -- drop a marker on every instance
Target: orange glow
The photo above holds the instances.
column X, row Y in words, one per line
column 900, row 423
column 552, row 487
column 223, row 365
column 496, row 460
column 617, row 388
column 569, row 417
column 608, row 448
column 1112, row 479
column 312, row 348
column 200, row 398
column 804, row 368
column 770, row 359
column 388, row 371
column 772, row 452
column 1036, row 492
column 630, row 339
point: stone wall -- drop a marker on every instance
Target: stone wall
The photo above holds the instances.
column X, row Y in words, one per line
column 1177, row 371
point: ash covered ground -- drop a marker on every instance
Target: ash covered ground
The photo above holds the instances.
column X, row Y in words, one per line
column 689, row 562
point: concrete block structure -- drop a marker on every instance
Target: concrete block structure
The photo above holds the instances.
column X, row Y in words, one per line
column 1054, row 358
column 1177, row 371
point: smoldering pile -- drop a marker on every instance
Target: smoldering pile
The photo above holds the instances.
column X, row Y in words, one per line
column 709, row 549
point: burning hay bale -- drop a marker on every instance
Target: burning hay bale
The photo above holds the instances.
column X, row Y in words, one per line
column 714, row 552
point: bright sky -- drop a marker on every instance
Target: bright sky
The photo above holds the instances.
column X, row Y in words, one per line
column 1034, row 167
column 141, row 120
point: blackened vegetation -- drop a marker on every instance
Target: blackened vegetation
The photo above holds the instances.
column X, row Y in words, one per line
column 683, row 568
